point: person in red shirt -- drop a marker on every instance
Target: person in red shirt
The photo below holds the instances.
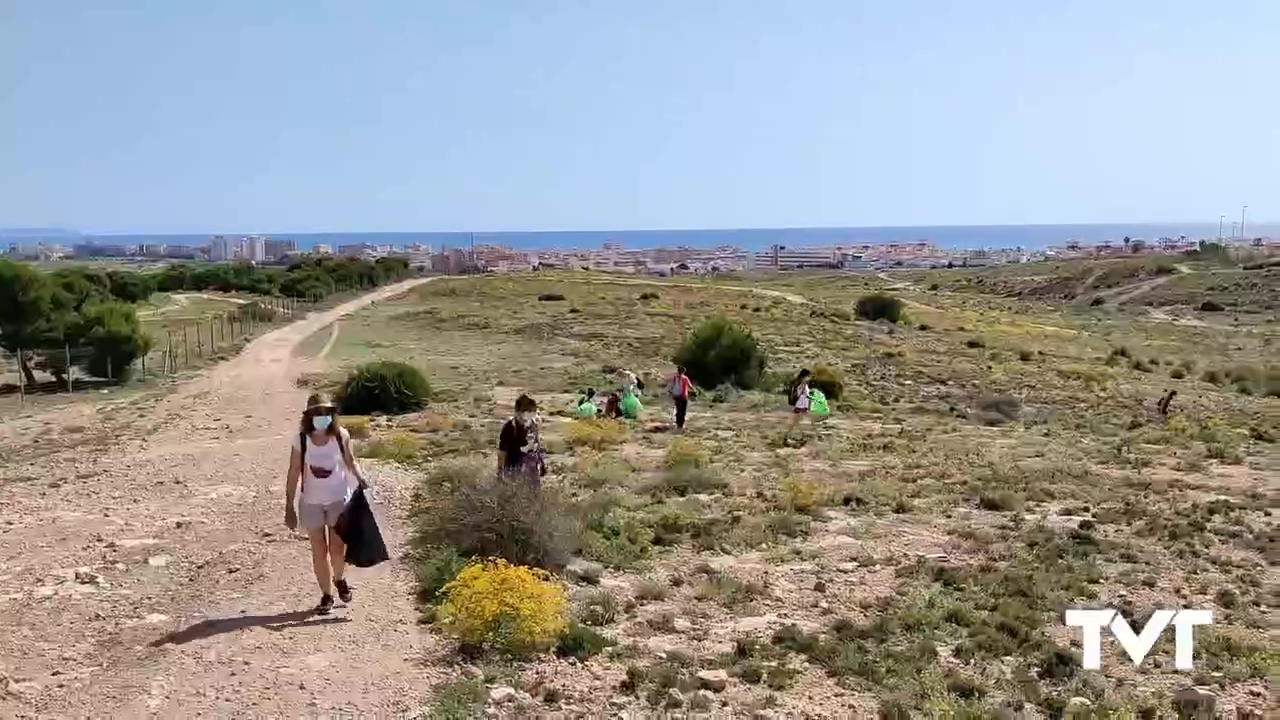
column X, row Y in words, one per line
column 680, row 389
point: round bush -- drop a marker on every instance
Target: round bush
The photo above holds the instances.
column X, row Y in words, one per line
column 385, row 387
column 829, row 380
column 494, row 604
column 879, row 307
column 719, row 352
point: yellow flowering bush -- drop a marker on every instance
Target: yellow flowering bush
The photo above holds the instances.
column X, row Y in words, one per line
column 596, row 434
column 800, row 494
column 492, row 603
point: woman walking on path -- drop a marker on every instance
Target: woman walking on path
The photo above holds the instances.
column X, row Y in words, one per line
column 519, row 452
column 680, row 389
column 322, row 464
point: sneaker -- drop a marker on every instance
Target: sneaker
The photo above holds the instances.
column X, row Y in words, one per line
column 344, row 590
column 326, row 604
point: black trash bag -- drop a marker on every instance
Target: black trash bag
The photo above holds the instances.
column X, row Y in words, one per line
column 359, row 530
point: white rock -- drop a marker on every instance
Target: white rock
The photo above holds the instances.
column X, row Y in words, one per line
column 703, row 700
column 501, row 695
column 714, row 680
column 158, row 560
column 1195, row 699
column 674, row 698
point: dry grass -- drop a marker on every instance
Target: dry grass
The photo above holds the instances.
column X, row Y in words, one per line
column 913, row 553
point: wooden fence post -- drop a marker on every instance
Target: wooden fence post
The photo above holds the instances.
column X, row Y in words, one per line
column 22, row 378
column 186, row 347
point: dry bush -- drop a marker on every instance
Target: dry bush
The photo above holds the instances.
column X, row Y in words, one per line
column 398, row 447
column 829, row 380
column 596, row 434
column 463, row 504
column 357, row 426
column 998, row 409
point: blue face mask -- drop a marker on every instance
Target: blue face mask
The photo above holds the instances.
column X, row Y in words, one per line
column 322, row 422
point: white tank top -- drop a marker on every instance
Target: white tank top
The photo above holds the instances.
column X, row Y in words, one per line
column 324, row 472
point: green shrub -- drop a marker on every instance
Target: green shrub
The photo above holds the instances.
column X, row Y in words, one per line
column 1212, row 306
column 434, row 568
column 879, row 307
column 385, row 387
column 550, row 297
column 829, row 380
column 466, row 506
column 975, row 342
column 720, row 352
column 581, row 642
column 458, row 700
column 649, row 296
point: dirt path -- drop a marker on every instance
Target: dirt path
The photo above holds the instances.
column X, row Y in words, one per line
column 333, row 338
column 147, row 571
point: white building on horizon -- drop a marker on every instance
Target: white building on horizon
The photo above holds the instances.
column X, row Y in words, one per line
column 256, row 248
column 222, row 249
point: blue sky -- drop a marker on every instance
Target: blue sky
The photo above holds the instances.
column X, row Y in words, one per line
column 163, row 116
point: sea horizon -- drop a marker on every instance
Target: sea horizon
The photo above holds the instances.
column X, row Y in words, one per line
column 957, row 237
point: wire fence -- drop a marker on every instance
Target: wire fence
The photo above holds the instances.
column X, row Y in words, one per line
column 176, row 346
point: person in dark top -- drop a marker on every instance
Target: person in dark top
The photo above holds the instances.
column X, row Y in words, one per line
column 518, row 449
column 680, row 388
column 612, row 405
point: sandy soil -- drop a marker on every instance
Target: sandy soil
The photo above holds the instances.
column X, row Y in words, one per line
column 147, row 572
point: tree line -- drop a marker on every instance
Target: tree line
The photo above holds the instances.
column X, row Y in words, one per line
column 95, row 310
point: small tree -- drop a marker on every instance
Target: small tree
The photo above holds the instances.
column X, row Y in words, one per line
column 719, row 352
column 115, row 339
column 879, row 307
column 30, row 312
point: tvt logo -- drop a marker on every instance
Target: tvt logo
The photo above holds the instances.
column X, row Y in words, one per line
column 1138, row 645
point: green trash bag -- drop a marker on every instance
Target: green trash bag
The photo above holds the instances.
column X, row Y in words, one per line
column 587, row 409
column 818, row 403
column 630, row 407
